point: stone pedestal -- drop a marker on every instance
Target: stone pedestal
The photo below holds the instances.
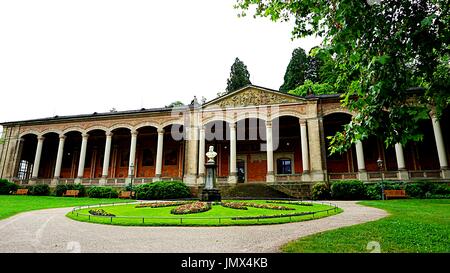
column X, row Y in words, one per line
column 210, row 192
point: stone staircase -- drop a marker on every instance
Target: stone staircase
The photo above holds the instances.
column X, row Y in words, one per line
column 294, row 189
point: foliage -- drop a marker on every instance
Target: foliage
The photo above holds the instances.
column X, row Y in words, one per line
column 380, row 50
column 310, row 88
column 299, row 203
column 61, row 188
column 295, row 71
column 7, row 187
column 194, row 207
column 163, row 190
column 234, row 205
column 425, row 189
column 100, row 212
column 373, row 191
column 39, row 190
column 253, row 190
column 239, row 76
column 321, row 191
column 243, row 205
column 102, row 192
column 348, row 190
column 175, row 104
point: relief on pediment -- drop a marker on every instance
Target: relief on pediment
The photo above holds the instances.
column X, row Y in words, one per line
column 254, row 97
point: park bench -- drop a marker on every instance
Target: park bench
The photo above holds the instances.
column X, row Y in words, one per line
column 21, row 192
column 73, row 193
column 126, row 194
column 394, row 194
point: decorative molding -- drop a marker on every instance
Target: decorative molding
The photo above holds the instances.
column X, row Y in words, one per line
column 254, row 97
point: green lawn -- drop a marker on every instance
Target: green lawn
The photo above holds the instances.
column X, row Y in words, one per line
column 13, row 204
column 189, row 219
column 413, row 226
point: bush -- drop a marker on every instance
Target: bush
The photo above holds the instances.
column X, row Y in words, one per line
column 100, row 212
column 102, row 192
column 163, row 190
column 60, row 189
column 348, row 190
column 425, row 189
column 193, row 207
column 39, row 190
column 321, row 191
column 373, row 191
column 7, row 187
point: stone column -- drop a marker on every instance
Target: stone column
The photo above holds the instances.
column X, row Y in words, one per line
column 440, row 146
column 82, row 160
column 59, row 157
column 37, row 157
column 232, row 177
column 305, row 151
column 360, row 159
column 269, row 148
column 315, row 151
column 159, row 153
column 106, row 157
column 132, row 153
column 201, row 153
column 402, row 172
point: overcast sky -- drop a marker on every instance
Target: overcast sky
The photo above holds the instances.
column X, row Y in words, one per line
column 61, row 57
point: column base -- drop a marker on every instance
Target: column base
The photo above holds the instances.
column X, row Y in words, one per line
column 54, row 181
column 362, row 175
column 306, row 177
column 445, row 173
column 403, row 175
column 103, row 180
column 128, row 181
column 32, row 181
column 190, row 180
column 270, row 178
column 232, row 179
column 78, row 180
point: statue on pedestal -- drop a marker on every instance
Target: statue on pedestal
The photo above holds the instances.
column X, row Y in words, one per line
column 210, row 192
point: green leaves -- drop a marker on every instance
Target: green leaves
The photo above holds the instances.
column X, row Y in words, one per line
column 239, row 76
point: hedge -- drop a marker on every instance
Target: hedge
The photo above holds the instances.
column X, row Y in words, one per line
column 321, row 191
column 102, row 192
column 7, row 187
column 61, row 188
column 162, row 190
column 348, row 190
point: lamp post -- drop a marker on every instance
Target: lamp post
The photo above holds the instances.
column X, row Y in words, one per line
column 380, row 166
column 131, row 178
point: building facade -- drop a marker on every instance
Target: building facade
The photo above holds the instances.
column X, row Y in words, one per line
column 260, row 135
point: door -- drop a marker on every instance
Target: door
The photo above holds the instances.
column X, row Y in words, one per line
column 240, row 164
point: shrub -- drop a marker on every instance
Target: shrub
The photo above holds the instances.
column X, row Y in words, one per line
column 425, row 189
column 102, row 192
column 162, row 204
column 163, row 190
column 348, row 190
column 60, row 189
column 321, row 191
column 39, row 190
column 193, row 207
column 373, row 191
column 7, row 187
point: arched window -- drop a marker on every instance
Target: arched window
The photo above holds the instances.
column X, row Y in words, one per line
column 284, row 166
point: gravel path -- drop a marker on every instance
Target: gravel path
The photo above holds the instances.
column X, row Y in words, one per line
column 50, row 231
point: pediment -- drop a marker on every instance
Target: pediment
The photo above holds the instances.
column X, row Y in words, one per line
column 253, row 96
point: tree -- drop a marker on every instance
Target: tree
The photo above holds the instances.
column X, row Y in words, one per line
column 381, row 49
column 239, row 76
column 295, row 71
column 175, row 104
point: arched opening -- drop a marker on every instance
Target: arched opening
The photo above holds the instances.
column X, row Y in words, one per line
column 146, row 150
column 27, row 154
column 338, row 163
column 287, row 145
column 95, row 150
column 374, row 149
column 251, row 149
column 48, row 157
column 217, row 134
column 71, row 154
column 173, row 151
column 120, row 153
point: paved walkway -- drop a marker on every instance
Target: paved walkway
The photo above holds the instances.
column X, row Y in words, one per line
column 50, row 231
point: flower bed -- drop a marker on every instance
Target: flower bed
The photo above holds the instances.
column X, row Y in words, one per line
column 300, row 203
column 244, row 205
column 192, row 207
column 100, row 212
column 162, row 204
column 234, row 205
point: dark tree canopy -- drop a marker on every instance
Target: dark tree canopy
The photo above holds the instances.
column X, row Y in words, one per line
column 239, row 76
column 381, row 49
column 295, row 71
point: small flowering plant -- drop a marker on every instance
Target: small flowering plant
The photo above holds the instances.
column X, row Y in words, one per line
column 100, row 212
column 244, row 205
column 234, row 205
column 162, row 204
column 192, row 207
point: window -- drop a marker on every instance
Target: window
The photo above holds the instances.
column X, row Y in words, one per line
column 284, row 166
column 24, row 169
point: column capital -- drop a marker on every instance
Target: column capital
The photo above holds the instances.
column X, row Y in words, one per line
column 84, row 135
column 269, row 123
column 62, row 136
column 41, row 138
column 134, row 132
column 302, row 122
column 232, row 125
column 109, row 134
column 160, row 131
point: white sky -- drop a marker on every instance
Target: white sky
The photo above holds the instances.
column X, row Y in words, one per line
column 61, row 57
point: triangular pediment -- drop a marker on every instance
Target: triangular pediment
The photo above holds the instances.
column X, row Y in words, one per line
column 253, row 96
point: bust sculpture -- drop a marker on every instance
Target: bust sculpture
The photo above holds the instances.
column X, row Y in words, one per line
column 211, row 154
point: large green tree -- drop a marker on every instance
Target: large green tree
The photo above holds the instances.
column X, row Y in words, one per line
column 239, row 76
column 295, row 71
column 381, row 49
